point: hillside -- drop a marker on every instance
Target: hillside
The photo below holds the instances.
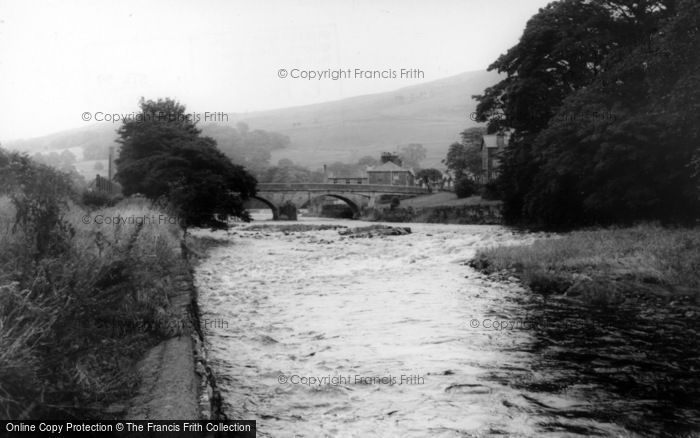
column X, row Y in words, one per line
column 432, row 114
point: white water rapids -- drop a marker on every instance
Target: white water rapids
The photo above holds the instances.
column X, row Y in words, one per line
column 316, row 334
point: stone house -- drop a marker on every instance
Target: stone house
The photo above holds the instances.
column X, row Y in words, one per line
column 492, row 146
column 390, row 174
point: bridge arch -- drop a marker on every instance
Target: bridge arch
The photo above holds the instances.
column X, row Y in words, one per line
column 271, row 205
column 355, row 196
column 349, row 202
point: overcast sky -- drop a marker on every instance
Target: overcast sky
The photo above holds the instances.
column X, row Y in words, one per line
column 59, row 59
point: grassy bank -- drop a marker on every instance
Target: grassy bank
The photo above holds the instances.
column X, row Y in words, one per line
column 445, row 199
column 608, row 266
column 75, row 318
column 440, row 207
column 481, row 214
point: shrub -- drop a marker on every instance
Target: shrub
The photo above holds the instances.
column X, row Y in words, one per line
column 395, row 202
column 338, row 211
column 489, row 191
column 96, row 199
column 39, row 195
column 465, row 187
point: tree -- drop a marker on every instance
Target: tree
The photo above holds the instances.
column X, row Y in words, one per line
column 412, row 155
column 695, row 165
column 65, row 161
column 291, row 174
column 471, row 141
column 633, row 139
column 96, row 152
column 251, row 149
column 367, row 161
column 40, row 196
column 285, row 162
column 68, row 158
column 163, row 156
column 388, row 157
column 464, row 159
column 429, row 176
column 599, row 95
column 472, row 136
column 455, row 160
column 340, row 169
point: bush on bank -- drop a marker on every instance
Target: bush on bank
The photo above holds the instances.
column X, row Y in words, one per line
column 95, row 199
column 465, row 187
column 606, row 265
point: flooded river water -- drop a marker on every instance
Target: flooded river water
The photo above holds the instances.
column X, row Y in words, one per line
column 317, row 334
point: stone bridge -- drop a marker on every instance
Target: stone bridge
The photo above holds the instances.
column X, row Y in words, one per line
column 356, row 196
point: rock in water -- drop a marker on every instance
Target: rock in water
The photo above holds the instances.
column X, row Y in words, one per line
column 375, row 230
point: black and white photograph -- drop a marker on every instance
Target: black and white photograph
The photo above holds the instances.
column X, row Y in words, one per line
column 350, row 218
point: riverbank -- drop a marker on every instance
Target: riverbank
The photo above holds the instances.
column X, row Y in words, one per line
column 476, row 214
column 438, row 208
column 607, row 266
column 102, row 326
column 444, row 199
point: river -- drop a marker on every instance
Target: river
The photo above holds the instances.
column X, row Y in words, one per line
column 318, row 334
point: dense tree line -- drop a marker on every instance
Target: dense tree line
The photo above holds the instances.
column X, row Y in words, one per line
column 249, row 148
column 603, row 99
column 288, row 172
column 65, row 162
column 412, row 155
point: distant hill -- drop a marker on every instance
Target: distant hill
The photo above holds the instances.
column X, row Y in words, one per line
column 93, row 137
column 433, row 114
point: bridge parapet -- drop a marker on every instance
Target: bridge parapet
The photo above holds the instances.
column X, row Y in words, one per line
column 340, row 188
